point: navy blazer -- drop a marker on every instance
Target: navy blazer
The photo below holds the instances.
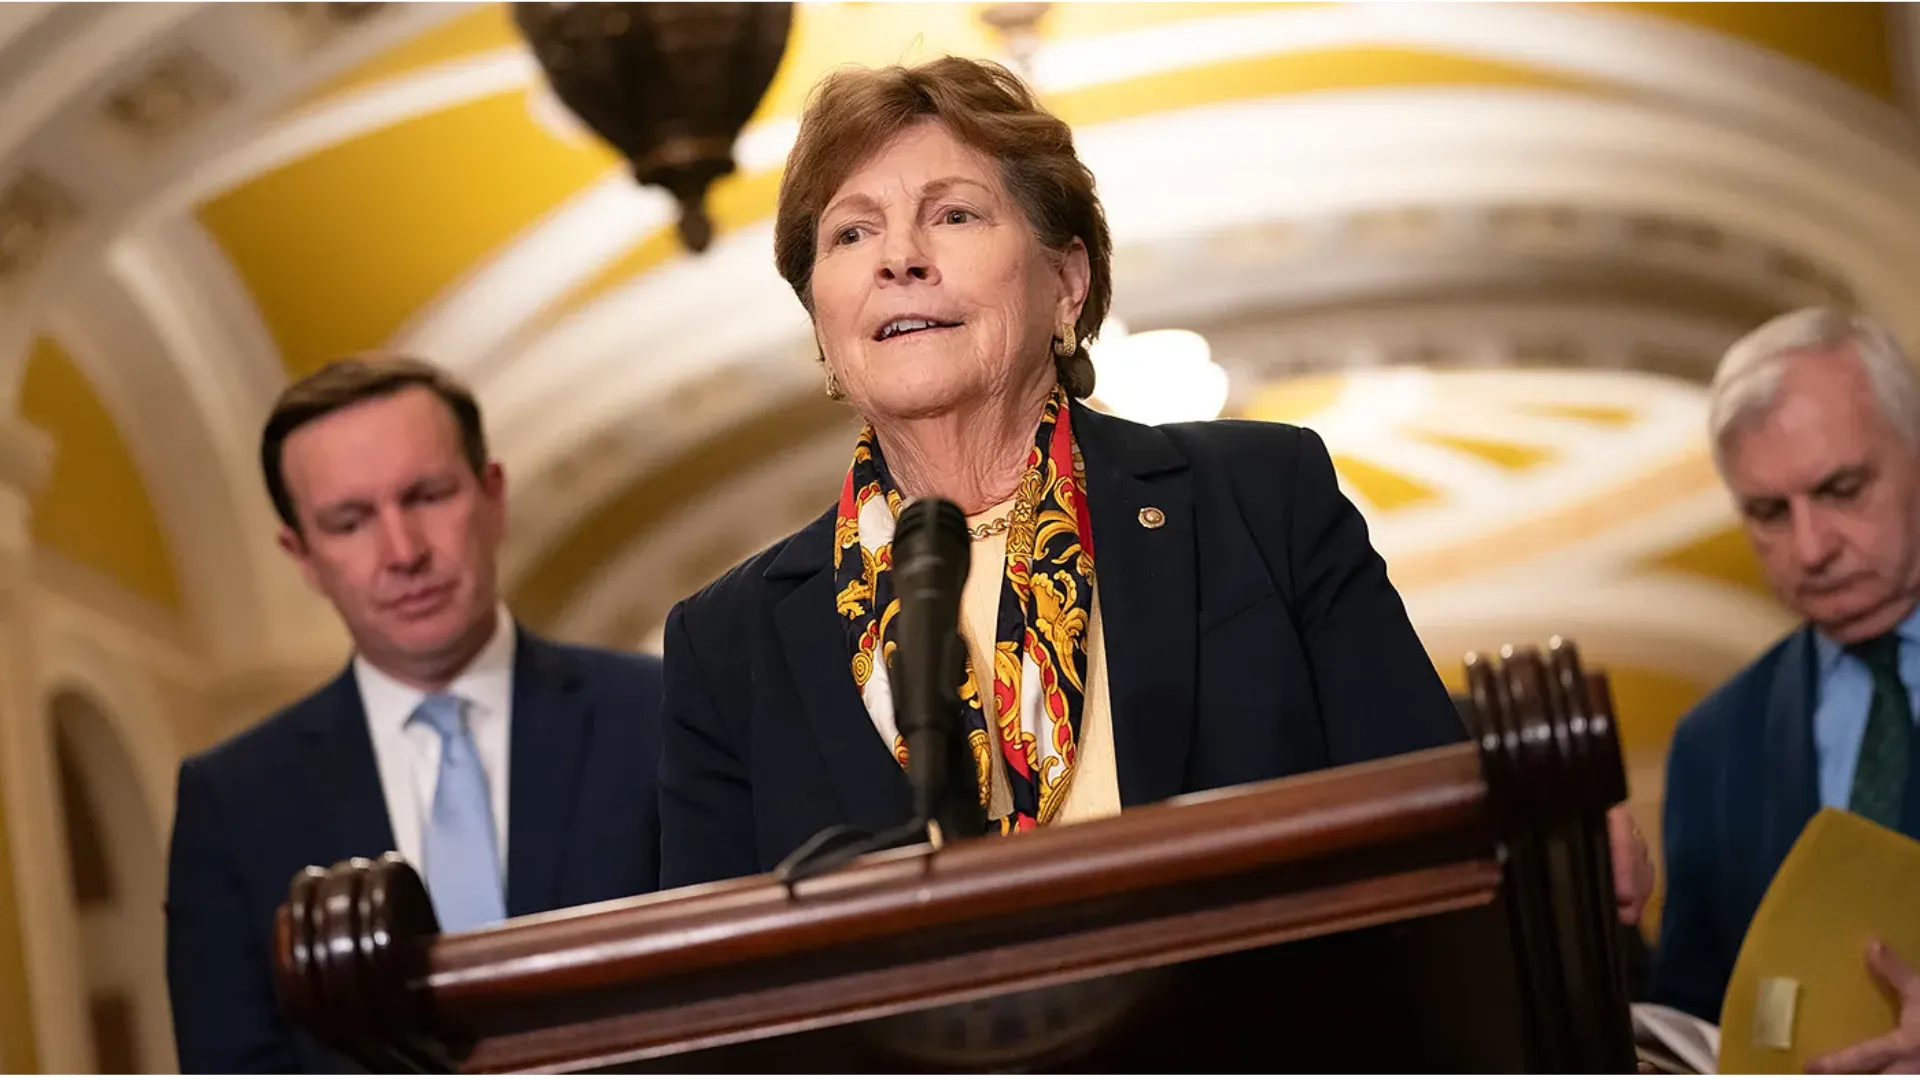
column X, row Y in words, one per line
column 303, row 788
column 1742, row 783
column 1254, row 635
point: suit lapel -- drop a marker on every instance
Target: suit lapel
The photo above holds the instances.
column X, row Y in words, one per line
column 552, row 729
column 1910, row 813
column 1148, row 597
column 1793, row 783
column 342, row 774
column 872, row 787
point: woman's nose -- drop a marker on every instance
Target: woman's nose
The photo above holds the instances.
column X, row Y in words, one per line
column 906, row 259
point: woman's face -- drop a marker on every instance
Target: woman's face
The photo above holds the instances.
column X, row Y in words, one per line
column 930, row 290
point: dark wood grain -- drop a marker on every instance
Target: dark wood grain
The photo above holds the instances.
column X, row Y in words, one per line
column 1408, row 881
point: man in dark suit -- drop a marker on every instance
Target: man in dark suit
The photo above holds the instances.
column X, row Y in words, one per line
column 1816, row 425
column 514, row 773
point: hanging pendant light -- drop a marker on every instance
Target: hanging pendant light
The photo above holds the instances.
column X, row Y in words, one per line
column 670, row 86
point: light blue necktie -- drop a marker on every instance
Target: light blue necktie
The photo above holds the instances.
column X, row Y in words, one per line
column 463, row 869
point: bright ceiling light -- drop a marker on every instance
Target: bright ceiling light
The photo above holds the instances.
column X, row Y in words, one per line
column 1159, row 377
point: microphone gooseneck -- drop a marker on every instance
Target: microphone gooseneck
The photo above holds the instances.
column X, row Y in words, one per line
column 931, row 555
column 927, row 664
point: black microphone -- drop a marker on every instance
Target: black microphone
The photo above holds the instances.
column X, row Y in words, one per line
column 930, row 557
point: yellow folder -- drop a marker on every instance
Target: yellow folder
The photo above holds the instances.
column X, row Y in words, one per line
column 1801, row 987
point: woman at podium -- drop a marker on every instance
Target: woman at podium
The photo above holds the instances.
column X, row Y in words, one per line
column 1147, row 611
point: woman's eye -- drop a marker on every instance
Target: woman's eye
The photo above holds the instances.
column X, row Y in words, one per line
column 957, row 217
column 846, row 236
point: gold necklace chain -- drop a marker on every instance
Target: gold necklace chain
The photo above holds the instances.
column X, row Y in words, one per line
column 1002, row 523
column 991, row 528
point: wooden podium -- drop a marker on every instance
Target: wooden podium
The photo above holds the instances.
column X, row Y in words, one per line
column 1445, row 911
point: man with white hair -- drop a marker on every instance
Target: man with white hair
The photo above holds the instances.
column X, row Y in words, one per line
column 1815, row 421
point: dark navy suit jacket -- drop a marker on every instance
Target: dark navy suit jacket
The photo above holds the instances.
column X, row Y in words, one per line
column 1742, row 782
column 303, row 788
column 1254, row 635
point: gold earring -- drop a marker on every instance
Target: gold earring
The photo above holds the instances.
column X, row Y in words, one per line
column 833, row 386
column 1066, row 344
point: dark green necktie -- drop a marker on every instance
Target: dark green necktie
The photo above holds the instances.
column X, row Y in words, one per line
column 1880, row 776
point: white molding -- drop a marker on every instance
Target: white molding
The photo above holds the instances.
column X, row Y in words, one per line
column 101, row 610
column 17, row 19
column 1647, row 53
column 99, row 52
column 649, row 575
column 55, row 129
column 698, row 318
column 26, row 453
column 1700, row 630
column 1903, row 48
column 127, row 754
column 36, row 829
column 1785, row 167
column 115, row 670
column 171, row 364
column 1368, row 423
column 544, row 264
column 201, row 309
column 685, row 321
column 347, row 116
column 1741, row 85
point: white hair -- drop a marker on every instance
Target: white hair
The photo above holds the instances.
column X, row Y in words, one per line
column 1747, row 381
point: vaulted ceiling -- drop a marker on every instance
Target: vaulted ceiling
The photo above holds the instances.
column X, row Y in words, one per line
column 198, row 202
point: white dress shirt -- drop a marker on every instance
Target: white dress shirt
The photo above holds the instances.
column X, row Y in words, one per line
column 409, row 754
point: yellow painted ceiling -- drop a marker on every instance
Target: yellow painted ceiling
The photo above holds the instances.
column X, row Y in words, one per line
column 591, row 546
column 742, row 200
column 1725, row 556
column 1511, row 456
column 94, row 507
column 342, row 248
column 615, row 524
column 1849, row 41
column 482, row 30
column 1384, row 489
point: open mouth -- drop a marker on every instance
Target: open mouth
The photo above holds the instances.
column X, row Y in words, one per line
column 909, row 326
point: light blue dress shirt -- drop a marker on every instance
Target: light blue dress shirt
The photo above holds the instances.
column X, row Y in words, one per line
column 1840, row 713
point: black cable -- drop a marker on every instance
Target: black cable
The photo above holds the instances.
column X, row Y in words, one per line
column 836, row 846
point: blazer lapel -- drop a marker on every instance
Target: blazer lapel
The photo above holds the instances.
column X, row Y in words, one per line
column 873, row 789
column 552, row 728
column 1793, row 785
column 1148, row 597
column 342, row 775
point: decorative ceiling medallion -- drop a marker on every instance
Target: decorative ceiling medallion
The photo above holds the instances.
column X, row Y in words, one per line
column 33, row 209
column 168, row 98
column 319, row 23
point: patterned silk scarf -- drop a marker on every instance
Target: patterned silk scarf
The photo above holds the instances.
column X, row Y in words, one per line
column 1046, row 601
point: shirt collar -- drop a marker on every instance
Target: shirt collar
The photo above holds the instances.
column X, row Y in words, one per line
column 1828, row 653
column 485, row 684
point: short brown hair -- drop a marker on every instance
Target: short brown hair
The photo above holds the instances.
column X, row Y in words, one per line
column 348, row 382
column 856, row 111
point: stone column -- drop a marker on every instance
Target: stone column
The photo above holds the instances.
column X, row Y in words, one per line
column 39, row 941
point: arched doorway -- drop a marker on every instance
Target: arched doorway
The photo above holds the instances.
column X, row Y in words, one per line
column 117, row 873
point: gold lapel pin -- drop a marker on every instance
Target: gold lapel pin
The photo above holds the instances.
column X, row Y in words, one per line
column 1151, row 517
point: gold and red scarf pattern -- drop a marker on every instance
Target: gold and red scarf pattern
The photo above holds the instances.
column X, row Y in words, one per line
column 1046, row 604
